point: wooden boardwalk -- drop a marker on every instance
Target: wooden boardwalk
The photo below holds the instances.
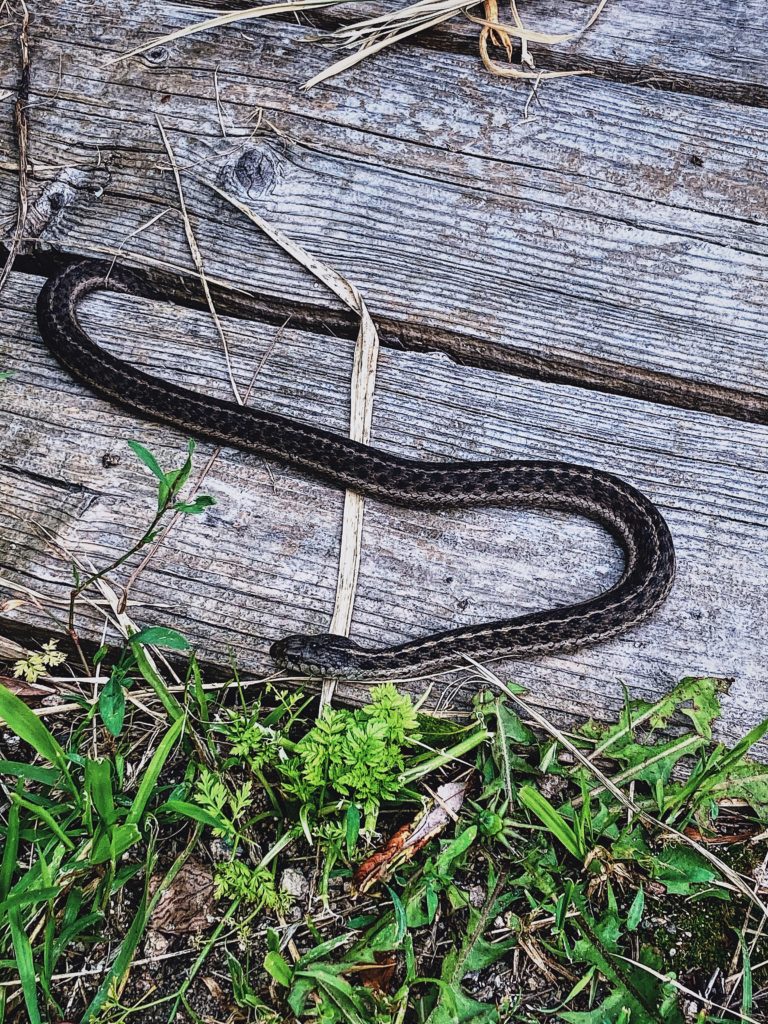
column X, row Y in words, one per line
column 578, row 275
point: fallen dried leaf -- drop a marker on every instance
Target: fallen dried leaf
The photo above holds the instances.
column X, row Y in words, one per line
column 377, row 977
column 24, row 689
column 187, row 906
column 217, row 992
column 722, row 839
column 408, row 840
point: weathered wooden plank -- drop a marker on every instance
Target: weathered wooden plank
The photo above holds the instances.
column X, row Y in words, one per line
column 586, row 231
column 262, row 562
column 708, row 48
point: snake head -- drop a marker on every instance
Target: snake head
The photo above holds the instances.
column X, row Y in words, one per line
column 324, row 654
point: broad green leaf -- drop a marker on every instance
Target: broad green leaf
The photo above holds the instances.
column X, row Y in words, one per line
column 636, row 910
column 146, row 456
column 439, row 732
column 277, row 967
column 482, row 954
column 444, row 864
column 112, row 705
column 701, row 705
column 98, row 784
column 746, row 781
column 174, row 480
column 682, row 870
column 160, row 636
column 454, row 1006
column 194, row 507
column 114, row 842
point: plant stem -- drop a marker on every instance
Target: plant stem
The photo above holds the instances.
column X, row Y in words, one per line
column 472, row 741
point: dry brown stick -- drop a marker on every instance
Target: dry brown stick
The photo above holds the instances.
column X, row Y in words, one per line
column 21, row 131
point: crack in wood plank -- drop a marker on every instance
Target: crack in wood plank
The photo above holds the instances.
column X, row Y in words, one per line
column 589, row 372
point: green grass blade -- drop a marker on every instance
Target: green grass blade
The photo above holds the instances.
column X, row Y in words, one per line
column 30, row 772
column 10, row 850
column 173, row 709
column 746, row 983
column 27, row 899
column 196, row 813
column 152, row 773
column 47, row 818
column 25, row 965
column 28, row 727
column 552, row 820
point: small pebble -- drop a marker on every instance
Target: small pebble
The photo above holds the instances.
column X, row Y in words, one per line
column 294, row 883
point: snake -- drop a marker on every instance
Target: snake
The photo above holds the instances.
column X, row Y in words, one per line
column 633, row 521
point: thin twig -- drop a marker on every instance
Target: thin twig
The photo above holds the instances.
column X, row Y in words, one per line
column 21, row 129
column 198, row 259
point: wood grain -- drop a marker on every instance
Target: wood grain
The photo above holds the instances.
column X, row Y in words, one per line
column 616, row 222
column 261, row 563
column 619, row 218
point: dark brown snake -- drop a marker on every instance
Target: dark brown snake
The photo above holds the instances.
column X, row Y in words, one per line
column 637, row 525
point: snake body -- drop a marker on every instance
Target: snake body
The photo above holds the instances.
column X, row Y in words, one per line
column 634, row 522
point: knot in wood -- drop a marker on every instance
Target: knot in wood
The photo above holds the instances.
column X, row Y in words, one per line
column 256, row 172
column 157, row 56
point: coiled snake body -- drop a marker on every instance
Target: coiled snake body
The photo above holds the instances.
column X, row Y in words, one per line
column 628, row 516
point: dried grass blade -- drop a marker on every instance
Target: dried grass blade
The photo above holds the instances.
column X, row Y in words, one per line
column 223, row 19
column 361, row 410
column 370, row 49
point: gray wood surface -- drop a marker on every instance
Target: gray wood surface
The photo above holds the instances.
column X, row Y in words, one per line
column 617, row 222
column 262, row 562
column 620, row 217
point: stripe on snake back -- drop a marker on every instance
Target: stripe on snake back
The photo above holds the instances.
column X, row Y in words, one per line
column 633, row 520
